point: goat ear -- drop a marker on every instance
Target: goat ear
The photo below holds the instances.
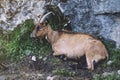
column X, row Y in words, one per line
column 36, row 20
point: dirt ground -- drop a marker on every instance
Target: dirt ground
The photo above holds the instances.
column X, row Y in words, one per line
column 47, row 68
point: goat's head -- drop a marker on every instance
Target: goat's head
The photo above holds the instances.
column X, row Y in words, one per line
column 41, row 28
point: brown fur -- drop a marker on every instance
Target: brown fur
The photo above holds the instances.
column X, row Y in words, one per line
column 72, row 45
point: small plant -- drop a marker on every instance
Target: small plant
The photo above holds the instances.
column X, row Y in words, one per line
column 115, row 58
column 64, row 72
column 114, row 76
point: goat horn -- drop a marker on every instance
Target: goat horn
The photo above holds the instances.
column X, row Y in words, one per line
column 43, row 17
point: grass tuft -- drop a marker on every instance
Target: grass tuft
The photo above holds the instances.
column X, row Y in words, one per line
column 64, row 72
column 114, row 76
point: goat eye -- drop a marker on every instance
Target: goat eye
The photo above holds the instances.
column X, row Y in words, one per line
column 42, row 23
column 38, row 28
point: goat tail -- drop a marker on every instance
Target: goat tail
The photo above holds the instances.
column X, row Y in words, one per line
column 107, row 55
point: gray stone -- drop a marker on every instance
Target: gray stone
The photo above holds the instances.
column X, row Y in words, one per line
column 50, row 77
column 107, row 73
column 106, row 6
column 109, row 62
column 118, row 72
column 15, row 12
column 2, row 77
column 109, row 27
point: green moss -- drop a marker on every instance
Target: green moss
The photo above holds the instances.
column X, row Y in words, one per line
column 64, row 72
column 113, row 53
column 55, row 60
column 17, row 43
column 115, row 58
column 114, row 76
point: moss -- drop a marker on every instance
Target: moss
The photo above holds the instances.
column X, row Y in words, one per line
column 114, row 76
column 64, row 72
column 17, row 43
column 113, row 53
column 115, row 58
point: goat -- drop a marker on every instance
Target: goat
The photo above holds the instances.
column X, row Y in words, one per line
column 73, row 45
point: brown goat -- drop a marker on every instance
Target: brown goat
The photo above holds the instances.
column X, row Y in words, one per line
column 72, row 45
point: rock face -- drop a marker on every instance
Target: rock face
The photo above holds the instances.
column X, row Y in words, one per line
column 106, row 6
column 97, row 17
column 14, row 12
